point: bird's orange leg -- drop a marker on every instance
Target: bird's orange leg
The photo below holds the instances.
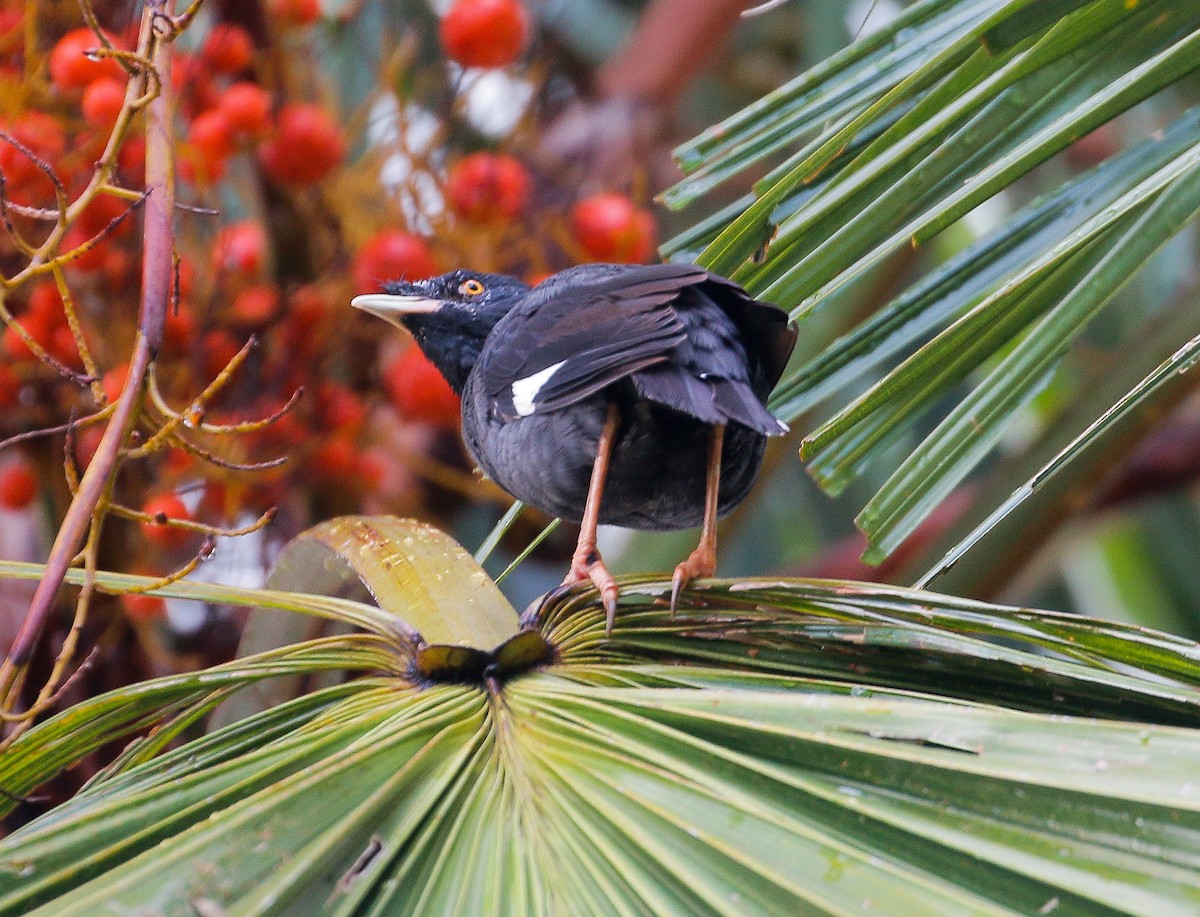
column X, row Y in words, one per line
column 703, row 561
column 587, row 564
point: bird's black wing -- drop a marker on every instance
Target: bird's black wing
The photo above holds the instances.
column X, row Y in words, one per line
column 582, row 331
column 734, row 352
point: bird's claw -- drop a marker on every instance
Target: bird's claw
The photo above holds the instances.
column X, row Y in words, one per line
column 591, row 567
column 701, row 563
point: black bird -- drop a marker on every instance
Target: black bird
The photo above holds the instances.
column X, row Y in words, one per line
column 629, row 395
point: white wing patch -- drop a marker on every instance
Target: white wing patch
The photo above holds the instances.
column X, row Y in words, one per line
column 524, row 391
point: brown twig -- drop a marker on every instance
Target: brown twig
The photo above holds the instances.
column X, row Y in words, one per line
column 87, row 507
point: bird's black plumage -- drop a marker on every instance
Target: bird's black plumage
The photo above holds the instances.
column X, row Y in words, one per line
column 677, row 349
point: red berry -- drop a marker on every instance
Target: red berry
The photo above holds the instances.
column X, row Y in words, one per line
column 113, row 381
column 118, row 268
column 71, row 68
column 196, row 168
column 240, row 248
column 18, row 486
column 255, row 305
column 14, row 344
column 178, row 462
column 488, row 186
column 11, row 22
column 179, row 331
column 186, row 275
column 419, row 391
column 372, row 468
column 219, row 347
column 160, row 509
column 485, row 33
column 90, row 260
column 87, row 441
column 296, row 12
column 307, row 146
column 335, row 460
column 308, row 305
column 611, row 228
column 211, row 134
column 45, row 304
column 141, row 607
column 63, row 347
column 246, row 107
column 132, row 159
column 10, row 386
column 44, row 137
column 103, row 211
column 392, row 254
column 227, row 49
column 340, row 408
column 103, row 101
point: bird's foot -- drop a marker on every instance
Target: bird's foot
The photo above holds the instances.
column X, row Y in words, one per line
column 701, row 563
column 589, row 565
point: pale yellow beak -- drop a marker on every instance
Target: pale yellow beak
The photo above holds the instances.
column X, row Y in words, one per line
column 391, row 307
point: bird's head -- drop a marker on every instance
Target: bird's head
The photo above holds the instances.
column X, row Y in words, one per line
column 450, row 315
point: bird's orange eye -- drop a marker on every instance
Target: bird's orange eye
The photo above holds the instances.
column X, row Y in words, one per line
column 470, row 287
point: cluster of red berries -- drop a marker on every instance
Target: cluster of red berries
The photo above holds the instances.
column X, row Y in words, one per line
column 234, row 282
column 298, row 144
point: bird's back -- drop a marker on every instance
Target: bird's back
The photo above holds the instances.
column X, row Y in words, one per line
column 677, row 349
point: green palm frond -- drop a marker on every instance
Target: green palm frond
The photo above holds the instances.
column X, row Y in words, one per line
column 895, row 139
column 791, row 746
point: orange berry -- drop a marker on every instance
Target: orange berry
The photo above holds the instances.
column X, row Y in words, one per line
column 308, row 144
column 610, row 228
column 228, row 48
column 392, row 254
column 161, row 508
column 71, row 68
column 102, row 102
column 419, row 391
column 488, row 186
column 485, row 33
column 18, row 486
